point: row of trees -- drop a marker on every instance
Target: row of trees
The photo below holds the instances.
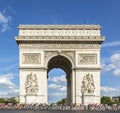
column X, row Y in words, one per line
column 107, row 100
column 9, row 100
column 104, row 100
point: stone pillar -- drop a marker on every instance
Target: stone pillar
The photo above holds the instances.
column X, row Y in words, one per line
column 73, row 86
column 69, row 88
column 32, row 96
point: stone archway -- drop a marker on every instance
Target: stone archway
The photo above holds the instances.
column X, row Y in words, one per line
column 42, row 47
column 62, row 62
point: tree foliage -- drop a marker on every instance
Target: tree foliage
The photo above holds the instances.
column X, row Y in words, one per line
column 63, row 101
column 9, row 100
column 106, row 100
column 2, row 100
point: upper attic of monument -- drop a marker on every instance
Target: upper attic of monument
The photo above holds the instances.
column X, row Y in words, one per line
column 60, row 30
column 60, row 33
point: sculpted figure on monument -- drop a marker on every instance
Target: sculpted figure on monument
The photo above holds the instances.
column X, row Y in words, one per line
column 88, row 86
column 31, row 84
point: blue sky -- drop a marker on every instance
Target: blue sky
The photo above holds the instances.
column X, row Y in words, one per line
column 16, row 12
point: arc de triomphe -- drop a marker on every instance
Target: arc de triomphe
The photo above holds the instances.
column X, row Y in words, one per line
column 74, row 48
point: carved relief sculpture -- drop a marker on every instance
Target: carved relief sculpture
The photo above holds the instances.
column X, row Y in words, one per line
column 31, row 58
column 88, row 86
column 31, row 84
column 63, row 46
column 87, row 59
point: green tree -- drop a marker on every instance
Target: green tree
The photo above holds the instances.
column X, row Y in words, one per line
column 12, row 100
column 106, row 100
column 119, row 99
column 63, row 101
column 2, row 100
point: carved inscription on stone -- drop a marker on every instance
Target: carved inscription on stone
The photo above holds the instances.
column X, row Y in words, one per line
column 31, row 58
column 87, row 58
column 31, row 84
column 88, row 86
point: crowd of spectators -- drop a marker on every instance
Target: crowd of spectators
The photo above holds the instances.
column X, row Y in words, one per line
column 38, row 107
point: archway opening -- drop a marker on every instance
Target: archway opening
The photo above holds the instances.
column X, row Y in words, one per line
column 62, row 68
column 57, row 85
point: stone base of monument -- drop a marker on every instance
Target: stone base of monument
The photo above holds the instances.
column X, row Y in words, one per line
column 88, row 99
column 31, row 98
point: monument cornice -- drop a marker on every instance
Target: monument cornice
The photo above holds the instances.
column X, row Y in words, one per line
column 32, row 68
column 87, row 68
column 31, row 39
column 94, row 27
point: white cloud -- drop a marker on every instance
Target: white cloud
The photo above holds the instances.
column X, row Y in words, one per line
column 108, row 67
column 114, row 51
column 115, row 58
column 4, row 21
column 109, row 91
column 6, row 79
column 57, row 94
column 11, row 66
column 116, row 72
column 2, row 94
column 57, row 87
column 58, row 79
column 113, row 64
column 111, row 44
column 7, row 87
column 10, row 93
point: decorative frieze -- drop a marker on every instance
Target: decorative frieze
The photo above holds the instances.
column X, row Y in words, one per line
column 63, row 32
column 62, row 38
column 87, row 59
column 60, row 46
column 59, row 30
column 31, row 58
